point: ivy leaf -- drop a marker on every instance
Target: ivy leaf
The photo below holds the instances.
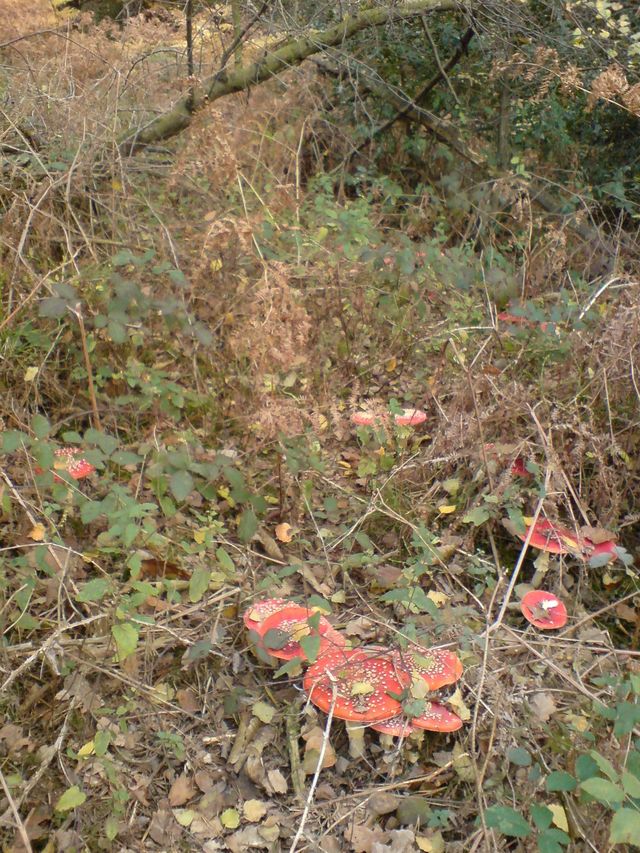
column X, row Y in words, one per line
column 508, row 821
column 71, row 799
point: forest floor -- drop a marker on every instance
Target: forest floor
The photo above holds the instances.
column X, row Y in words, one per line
column 235, row 311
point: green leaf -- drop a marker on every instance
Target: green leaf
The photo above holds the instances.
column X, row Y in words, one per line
column 94, row 590
column 71, row 799
column 101, row 742
column 12, row 439
column 310, row 646
column 603, row 791
column 625, row 827
column 90, row 510
column 631, row 784
column 288, row 667
column 247, row 525
column 40, row 426
column 508, row 821
column 126, row 638
column 111, row 827
column 541, row 816
column 604, row 765
column 477, row 516
column 199, row 583
column 559, row 780
column 198, row 651
column 627, row 718
column 181, row 485
column 552, row 840
column 585, row 767
column 52, row 307
column 519, row 756
column 226, row 563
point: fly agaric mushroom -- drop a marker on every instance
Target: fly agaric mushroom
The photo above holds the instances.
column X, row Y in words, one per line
column 398, row 726
column 544, row 610
column 550, row 537
column 71, row 462
column 410, row 417
column 281, row 632
column 438, row 667
column 437, row 718
column 255, row 615
column 407, row 417
column 360, row 685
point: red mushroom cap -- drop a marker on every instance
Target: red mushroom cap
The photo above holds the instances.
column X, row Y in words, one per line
column 519, row 468
column 410, row 417
column 293, row 622
column 437, row 718
column 365, row 419
column 590, row 549
column 544, row 610
column 548, row 536
column 513, row 319
column 362, row 681
column 255, row 615
column 71, row 461
column 398, row 726
column 438, row 667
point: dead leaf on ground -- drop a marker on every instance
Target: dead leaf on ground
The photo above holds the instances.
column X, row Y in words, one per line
column 312, row 749
column 362, row 838
column 254, row 810
column 543, row 706
column 598, row 535
column 182, row 790
column 276, row 782
column 188, row 700
column 284, row 532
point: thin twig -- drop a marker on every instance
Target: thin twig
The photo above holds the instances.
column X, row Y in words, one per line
column 87, row 363
column 16, row 814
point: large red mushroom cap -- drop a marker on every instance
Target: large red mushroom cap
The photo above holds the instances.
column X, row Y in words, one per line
column 437, row 718
column 254, row 616
column 438, row 667
column 548, row 536
column 360, row 680
column 544, row 610
column 287, row 626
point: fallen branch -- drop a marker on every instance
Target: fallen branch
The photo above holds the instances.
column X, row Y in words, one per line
column 292, row 53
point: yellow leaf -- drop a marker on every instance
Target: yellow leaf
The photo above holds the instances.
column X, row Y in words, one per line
column 200, row 536
column 392, row 364
column 116, row 185
column 343, row 464
column 230, row 819
column 457, row 703
column 559, row 816
column 361, row 688
column 438, row 598
column 323, row 423
column 87, row 749
column 216, row 265
column 185, row 817
column 432, row 843
column 37, row 534
column 30, row 374
column 283, row 532
column 446, row 509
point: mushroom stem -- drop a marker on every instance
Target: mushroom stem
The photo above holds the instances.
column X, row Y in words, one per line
column 293, row 737
column 355, row 733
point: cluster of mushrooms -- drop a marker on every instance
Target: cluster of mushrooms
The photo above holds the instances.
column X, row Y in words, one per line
column 69, row 460
column 369, row 686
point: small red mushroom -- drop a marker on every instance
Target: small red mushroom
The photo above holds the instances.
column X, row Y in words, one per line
column 71, row 461
column 357, row 683
column 285, row 628
column 544, row 610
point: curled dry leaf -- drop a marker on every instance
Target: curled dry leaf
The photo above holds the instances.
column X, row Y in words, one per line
column 181, row 791
column 284, row 532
